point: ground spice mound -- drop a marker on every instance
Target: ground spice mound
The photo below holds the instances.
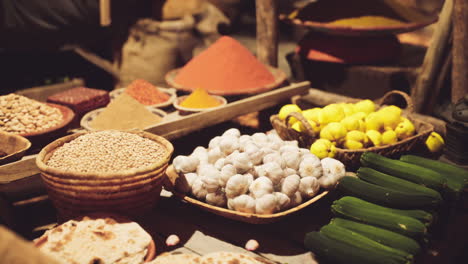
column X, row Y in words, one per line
column 106, row 151
column 200, row 99
column 225, row 66
column 146, row 93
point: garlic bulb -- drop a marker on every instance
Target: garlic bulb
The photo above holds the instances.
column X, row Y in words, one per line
column 242, row 203
column 242, row 162
column 211, row 182
column 250, row 178
column 259, row 138
column 266, row 204
column 228, row 144
column 274, row 157
column 232, row 132
column 255, row 154
column 214, row 154
column 260, row 187
column 304, row 151
column 274, row 172
column 214, row 142
column 198, row 189
column 310, row 166
column 184, row 182
column 333, row 171
column 290, row 185
column 294, row 143
column 267, row 150
column 289, row 171
column 236, row 185
column 219, row 164
column 185, row 164
column 282, row 201
column 292, row 159
column 273, row 137
column 309, row 187
column 216, row 198
column 259, row 171
column 201, row 154
column 226, row 172
column 231, row 157
column 296, row 200
column 207, row 169
column 244, row 140
column 288, row 148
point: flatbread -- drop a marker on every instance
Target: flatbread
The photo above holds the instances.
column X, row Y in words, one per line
column 104, row 240
column 176, row 258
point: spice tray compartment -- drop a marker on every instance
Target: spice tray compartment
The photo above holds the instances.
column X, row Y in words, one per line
column 169, row 91
column 234, row 215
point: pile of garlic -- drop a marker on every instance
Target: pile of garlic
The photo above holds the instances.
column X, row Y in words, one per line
column 259, row 174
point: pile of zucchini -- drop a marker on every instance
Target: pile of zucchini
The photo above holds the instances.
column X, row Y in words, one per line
column 387, row 211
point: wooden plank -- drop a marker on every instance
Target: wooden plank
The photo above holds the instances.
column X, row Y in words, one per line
column 18, row 170
column 460, row 50
column 185, row 125
column 267, row 31
column 434, row 57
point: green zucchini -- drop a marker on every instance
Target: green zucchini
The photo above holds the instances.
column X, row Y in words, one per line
column 448, row 170
column 359, row 210
column 344, row 235
column 385, row 196
column 339, row 252
column 395, row 183
column 401, row 169
column 383, row 236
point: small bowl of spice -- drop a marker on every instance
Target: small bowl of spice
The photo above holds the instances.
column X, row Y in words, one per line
column 198, row 101
column 147, row 94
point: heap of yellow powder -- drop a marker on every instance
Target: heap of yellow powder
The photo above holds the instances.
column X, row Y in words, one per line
column 368, row 21
column 200, row 99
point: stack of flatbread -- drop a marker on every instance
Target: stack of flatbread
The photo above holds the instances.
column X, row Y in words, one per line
column 212, row 258
column 96, row 241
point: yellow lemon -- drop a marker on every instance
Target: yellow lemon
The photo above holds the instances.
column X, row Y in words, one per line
column 374, row 121
column 348, row 109
column 435, row 142
column 389, row 137
column 323, row 148
column 391, row 108
column 331, row 113
column 334, row 132
column 358, row 136
column 353, row 123
column 391, row 116
column 375, row 137
column 312, row 114
column 405, row 129
column 360, row 115
column 299, row 127
column 366, row 106
column 286, row 110
column 353, row 144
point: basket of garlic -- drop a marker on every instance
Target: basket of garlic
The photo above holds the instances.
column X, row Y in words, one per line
column 255, row 178
column 346, row 130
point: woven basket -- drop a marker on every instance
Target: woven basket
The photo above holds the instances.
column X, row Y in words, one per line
column 351, row 157
column 132, row 192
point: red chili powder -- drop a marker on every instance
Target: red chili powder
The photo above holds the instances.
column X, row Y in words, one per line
column 146, row 93
column 225, row 66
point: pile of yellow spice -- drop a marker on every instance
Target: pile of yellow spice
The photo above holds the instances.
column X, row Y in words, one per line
column 200, row 99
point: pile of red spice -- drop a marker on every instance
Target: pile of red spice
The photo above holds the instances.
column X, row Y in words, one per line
column 146, row 93
column 225, row 67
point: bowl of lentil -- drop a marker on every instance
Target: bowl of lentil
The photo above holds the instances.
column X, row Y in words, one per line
column 12, row 147
column 170, row 92
column 110, row 170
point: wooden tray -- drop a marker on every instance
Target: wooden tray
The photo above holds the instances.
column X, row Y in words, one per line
column 234, row 215
column 279, row 75
column 324, row 12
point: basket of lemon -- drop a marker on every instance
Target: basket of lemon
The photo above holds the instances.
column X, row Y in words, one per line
column 346, row 130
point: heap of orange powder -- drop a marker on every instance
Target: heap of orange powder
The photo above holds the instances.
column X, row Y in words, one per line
column 226, row 67
column 200, row 99
column 146, row 93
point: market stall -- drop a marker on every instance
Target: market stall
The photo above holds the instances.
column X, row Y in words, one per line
column 167, row 174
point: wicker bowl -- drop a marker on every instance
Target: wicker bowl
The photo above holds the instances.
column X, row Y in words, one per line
column 129, row 192
column 351, row 157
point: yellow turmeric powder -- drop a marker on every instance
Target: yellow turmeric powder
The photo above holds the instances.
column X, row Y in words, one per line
column 200, row 99
column 368, row 21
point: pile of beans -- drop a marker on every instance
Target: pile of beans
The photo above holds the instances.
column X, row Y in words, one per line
column 21, row 115
column 106, row 151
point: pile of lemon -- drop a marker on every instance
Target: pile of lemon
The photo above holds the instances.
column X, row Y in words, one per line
column 351, row 126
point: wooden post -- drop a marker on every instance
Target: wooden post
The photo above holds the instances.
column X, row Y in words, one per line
column 267, row 32
column 460, row 50
column 104, row 12
column 433, row 59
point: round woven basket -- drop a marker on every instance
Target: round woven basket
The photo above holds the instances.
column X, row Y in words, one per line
column 351, row 157
column 129, row 192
